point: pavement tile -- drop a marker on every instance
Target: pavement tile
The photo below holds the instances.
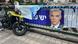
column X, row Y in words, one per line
column 7, row 37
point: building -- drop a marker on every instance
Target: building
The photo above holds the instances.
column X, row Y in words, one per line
column 64, row 1
column 33, row 1
column 4, row 1
column 26, row 0
column 36, row 1
column 51, row 2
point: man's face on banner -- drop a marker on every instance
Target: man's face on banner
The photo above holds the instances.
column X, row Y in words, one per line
column 55, row 16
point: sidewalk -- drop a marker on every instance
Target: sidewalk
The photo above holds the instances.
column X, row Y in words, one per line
column 7, row 37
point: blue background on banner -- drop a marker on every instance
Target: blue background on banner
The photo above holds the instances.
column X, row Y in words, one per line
column 45, row 12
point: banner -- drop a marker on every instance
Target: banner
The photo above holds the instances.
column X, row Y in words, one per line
column 52, row 16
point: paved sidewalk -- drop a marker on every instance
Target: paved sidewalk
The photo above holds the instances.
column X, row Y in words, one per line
column 7, row 37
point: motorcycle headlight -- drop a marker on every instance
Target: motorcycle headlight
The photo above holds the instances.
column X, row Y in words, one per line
column 18, row 11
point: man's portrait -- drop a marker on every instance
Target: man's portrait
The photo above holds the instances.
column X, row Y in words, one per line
column 55, row 18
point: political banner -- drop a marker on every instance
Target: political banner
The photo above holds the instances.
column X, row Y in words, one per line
column 52, row 16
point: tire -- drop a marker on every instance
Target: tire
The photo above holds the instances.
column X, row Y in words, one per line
column 19, row 30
